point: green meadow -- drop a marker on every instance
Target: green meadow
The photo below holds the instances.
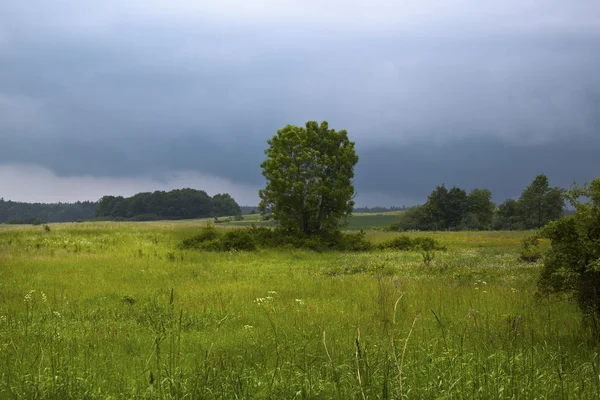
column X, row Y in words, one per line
column 356, row 222
column 117, row 311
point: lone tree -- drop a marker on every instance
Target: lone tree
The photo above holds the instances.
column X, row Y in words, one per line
column 309, row 175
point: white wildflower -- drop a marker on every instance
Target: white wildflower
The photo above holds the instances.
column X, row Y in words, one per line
column 44, row 298
column 272, row 292
column 300, row 301
column 56, row 314
column 29, row 296
column 261, row 300
column 248, row 327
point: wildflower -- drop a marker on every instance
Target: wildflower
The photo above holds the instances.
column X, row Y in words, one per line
column 513, row 290
column 44, row 298
column 300, row 302
column 29, row 296
column 248, row 327
column 56, row 314
column 272, row 292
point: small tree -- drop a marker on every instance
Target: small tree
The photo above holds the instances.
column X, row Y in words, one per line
column 572, row 265
column 539, row 203
column 481, row 210
column 309, row 175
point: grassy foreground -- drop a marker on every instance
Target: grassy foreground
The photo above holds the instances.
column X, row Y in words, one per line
column 115, row 310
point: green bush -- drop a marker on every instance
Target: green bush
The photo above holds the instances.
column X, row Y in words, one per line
column 405, row 243
column 530, row 250
column 572, row 265
column 207, row 234
column 253, row 238
column 235, row 240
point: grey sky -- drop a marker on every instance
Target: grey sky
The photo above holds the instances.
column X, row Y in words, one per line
column 117, row 97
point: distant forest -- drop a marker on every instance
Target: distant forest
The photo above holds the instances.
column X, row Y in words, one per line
column 176, row 204
column 36, row 213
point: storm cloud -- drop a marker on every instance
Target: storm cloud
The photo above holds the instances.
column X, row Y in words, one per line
column 104, row 97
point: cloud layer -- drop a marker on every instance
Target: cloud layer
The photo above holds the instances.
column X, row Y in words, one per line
column 450, row 90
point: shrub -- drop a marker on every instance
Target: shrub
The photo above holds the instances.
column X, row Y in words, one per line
column 207, row 234
column 235, row 240
column 250, row 239
column 572, row 265
column 405, row 243
column 530, row 250
column 402, row 243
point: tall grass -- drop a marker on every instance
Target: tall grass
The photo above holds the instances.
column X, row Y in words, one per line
column 116, row 310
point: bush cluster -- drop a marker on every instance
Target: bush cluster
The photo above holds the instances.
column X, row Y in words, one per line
column 405, row 243
column 254, row 238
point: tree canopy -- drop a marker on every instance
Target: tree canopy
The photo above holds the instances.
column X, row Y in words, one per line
column 452, row 209
column 28, row 213
column 309, row 173
column 176, row 204
column 572, row 265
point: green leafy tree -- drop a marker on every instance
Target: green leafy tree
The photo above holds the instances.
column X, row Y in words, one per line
column 540, row 204
column 572, row 265
column 444, row 209
column 456, row 208
column 481, row 210
column 309, row 173
column 508, row 216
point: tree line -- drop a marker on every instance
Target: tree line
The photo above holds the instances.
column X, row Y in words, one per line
column 14, row 212
column 455, row 209
column 176, row 204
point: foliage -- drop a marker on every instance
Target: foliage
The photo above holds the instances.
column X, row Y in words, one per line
column 253, row 238
column 452, row 209
column 176, row 204
column 572, row 265
column 309, row 175
column 508, row 216
column 455, row 210
column 480, row 214
column 540, row 204
column 207, row 234
column 530, row 249
column 13, row 212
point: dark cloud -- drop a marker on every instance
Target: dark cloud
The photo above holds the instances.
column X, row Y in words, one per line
column 462, row 92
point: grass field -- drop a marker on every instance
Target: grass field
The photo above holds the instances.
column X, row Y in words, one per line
column 115, row 310
column 357, row 221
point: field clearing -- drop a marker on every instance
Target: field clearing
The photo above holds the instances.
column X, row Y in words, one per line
column 116, row 310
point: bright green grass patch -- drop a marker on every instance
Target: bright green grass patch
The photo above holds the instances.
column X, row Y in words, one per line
column 94, row 310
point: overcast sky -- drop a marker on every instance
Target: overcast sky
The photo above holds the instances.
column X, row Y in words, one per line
column 116, row 97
